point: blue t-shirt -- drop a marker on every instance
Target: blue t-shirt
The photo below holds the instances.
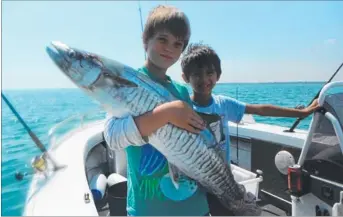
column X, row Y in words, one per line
column 228, row 109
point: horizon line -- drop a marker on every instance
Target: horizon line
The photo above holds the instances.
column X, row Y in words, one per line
column 218, row 83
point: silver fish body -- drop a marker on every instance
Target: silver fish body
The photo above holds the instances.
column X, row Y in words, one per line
column 122, row 90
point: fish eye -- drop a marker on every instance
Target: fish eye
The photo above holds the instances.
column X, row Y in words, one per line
column 71, row 53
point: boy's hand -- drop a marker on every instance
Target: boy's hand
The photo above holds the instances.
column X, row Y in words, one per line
column 311, row 108
column 182, row 115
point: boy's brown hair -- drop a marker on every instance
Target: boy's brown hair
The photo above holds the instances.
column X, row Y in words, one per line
column 167, row 18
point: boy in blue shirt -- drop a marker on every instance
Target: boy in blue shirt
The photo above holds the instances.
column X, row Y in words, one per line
column 165, row 36
column 201, row 69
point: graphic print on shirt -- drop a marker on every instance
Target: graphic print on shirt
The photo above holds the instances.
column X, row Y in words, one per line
column 214, row 123
column 222, row 144
column 151, row 161
column 152, row 166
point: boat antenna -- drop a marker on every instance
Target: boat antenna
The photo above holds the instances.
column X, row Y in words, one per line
column 317, row 95
column 140, row 15
column 33, row 136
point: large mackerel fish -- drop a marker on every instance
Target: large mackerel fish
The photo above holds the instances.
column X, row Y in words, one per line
column 122, row 90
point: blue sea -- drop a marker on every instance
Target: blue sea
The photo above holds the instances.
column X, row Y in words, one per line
column 42, row 109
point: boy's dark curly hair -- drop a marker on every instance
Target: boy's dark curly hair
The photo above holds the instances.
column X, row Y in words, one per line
column 199, row 55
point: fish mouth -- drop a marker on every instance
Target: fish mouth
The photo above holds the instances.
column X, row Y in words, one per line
column 57, row 52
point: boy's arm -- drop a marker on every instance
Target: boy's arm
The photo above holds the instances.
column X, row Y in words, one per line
column 177, row 113
column 151, row 121
column 277, row 111
column 122, row 132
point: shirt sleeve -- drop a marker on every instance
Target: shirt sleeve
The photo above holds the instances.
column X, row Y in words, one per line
column 120, row 133
column 233, row 108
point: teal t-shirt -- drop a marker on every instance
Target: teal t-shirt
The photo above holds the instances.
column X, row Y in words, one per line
column 145, row 168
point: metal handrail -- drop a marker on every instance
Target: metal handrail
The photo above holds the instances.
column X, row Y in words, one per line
column 332, row 119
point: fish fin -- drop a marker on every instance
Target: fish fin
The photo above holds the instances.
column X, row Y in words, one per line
column 173, row 175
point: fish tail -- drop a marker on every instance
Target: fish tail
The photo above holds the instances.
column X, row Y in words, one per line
column 242, row 206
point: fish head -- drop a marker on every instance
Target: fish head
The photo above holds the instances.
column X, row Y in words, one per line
column 83, row 68
column 86, row 69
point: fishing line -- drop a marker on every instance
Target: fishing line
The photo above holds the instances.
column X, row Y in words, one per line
column 140, row 14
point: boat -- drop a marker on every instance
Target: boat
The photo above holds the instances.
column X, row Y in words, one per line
column 79, row 174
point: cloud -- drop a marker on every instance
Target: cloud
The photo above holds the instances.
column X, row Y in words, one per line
column 330, row 41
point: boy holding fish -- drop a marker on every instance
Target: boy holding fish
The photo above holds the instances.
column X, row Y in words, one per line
column 166, row 35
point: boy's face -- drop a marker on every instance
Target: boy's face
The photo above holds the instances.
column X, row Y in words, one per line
column 164, row 49
column 203, row 80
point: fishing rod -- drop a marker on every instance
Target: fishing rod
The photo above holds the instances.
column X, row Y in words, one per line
column 140, row 14
column 38, row 162
column 317, row 95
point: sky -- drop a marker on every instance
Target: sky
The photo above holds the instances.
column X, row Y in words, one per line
column 270, row 41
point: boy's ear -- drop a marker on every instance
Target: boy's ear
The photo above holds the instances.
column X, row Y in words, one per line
column 184, row 77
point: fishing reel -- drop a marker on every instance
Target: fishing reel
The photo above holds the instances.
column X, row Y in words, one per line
column 38, row 164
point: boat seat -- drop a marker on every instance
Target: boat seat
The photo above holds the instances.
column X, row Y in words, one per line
column 116, row 159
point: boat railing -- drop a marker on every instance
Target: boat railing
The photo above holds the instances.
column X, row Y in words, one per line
column 63, row 130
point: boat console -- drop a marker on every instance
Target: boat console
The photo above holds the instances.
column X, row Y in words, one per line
column 315, row 183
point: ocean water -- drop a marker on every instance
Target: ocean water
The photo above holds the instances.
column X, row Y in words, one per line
column 42, row 109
